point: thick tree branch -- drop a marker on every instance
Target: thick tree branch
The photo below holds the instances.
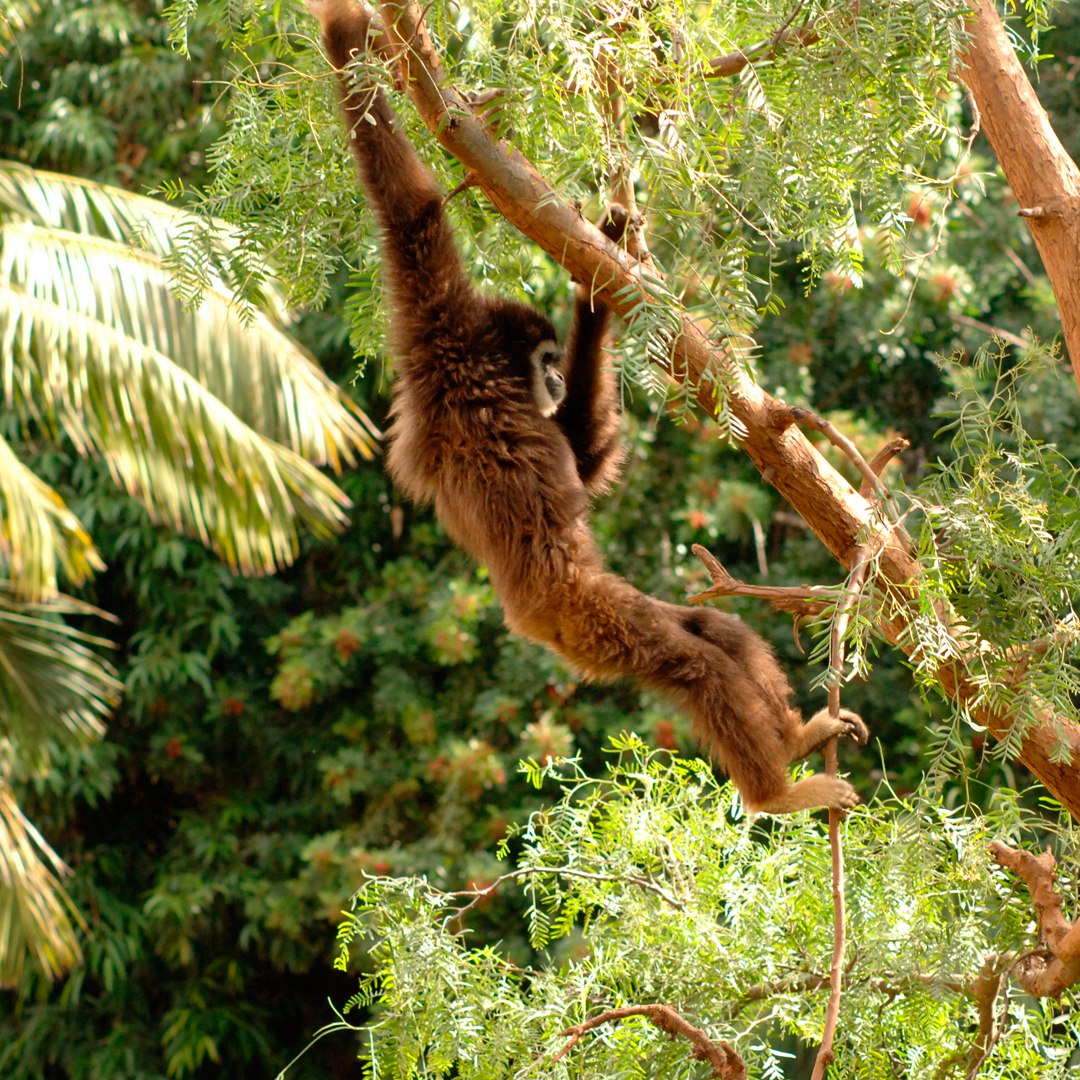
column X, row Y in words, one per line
column 1051, row 971
column 725, row 1062
column 1044, row 179
column 837, row 513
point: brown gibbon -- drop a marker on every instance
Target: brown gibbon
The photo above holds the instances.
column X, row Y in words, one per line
column 508, row 436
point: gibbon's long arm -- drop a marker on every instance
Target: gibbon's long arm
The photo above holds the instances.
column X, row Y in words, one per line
column 409, row 209
column 589, row 415
column 509, row 481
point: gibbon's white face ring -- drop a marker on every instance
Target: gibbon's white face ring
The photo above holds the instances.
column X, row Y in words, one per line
column 548, row 386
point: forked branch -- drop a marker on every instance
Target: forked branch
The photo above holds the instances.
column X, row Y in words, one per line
column 1051, row 970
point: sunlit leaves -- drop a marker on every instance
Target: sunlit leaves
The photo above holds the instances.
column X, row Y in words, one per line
column 37, row 920
column 999, row 535
column 211, row 421
column 643, row 886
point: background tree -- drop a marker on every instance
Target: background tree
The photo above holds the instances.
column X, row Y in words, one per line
column 213, row 418
column 217, row 835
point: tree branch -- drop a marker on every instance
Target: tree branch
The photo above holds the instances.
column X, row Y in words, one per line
column 725, row 1062
column 733, row 62
column 1046, row 972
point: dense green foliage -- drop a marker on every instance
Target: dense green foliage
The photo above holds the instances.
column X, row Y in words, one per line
column 641, row 886
column 281, row 741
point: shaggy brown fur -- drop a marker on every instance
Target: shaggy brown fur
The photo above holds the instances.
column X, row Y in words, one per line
column 511, row 485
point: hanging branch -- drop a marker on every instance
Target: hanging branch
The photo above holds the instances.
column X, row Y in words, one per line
column 836, row 664
column 725, row 1062
column 1049, row 971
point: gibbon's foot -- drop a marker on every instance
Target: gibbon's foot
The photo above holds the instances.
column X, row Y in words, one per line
column 854, row 727
column 821, row 727
column 810, row 793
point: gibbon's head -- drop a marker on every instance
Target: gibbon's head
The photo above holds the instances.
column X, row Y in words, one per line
column 548, row 385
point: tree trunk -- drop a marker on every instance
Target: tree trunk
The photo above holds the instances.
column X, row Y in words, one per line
column 1044, row 179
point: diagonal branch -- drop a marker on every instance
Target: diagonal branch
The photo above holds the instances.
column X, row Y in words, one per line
column 725, row 1062
column 838, row 514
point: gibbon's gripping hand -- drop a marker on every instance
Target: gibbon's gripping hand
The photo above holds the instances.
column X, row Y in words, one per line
column 615, row 224
column 854, row 727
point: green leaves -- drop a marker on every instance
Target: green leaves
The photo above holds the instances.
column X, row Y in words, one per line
column 644, row 887
column 212, row 421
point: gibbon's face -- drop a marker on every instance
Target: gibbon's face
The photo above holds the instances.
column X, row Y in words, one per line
column 548, row 385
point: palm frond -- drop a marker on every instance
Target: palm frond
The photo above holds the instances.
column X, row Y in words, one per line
column 240, row 353
column 39, row 535
column 167, row 440
column 37, row 918
column 54, row 684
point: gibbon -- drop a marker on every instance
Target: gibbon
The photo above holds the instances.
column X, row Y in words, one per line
column 508, row 436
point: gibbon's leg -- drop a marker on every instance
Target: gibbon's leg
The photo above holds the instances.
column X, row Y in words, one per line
column 763, row 733
column 425, row 270
column 589, row 415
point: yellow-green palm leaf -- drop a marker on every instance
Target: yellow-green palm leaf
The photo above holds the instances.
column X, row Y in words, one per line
column 37, row 919
column 39, row 536
column 54, row 686
column 214, row 422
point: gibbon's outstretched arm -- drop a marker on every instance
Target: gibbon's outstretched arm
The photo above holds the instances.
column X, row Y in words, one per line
column 480, row 427
column 410, row 208
column 589, row 414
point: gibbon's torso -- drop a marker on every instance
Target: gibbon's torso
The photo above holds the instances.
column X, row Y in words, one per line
column 468, row 436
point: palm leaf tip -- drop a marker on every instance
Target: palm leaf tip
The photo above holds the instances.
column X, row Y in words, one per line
column 38, row 922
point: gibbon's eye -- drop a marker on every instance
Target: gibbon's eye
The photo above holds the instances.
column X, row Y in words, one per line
column 549, row 389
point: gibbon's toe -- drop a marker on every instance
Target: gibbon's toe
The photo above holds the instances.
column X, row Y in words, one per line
column 855, row 728
column 846, row 797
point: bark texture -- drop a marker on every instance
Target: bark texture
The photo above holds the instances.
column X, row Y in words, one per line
column 1044, row 179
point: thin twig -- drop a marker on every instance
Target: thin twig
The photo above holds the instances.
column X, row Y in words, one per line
column 860, row 567
column 810, row 419
column 722, row 1056
column 480, row 895
column 882, row 458
column 800, row 599
column 732, row 63
column 993, row 331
